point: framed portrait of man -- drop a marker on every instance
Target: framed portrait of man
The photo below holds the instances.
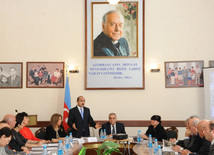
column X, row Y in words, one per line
column 114, row 45
column 11, row 75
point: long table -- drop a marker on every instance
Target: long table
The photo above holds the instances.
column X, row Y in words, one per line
column 91, row 146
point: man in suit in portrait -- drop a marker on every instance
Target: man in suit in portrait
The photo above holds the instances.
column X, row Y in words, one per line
column 112, row 126
column 109, row 41
column 209, row 135
column 14, row 80
column 78, row 119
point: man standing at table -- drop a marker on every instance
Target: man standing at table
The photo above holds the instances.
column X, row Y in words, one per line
column 78, row 119
column 113, row 127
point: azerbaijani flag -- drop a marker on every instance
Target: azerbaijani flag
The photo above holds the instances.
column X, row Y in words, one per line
column 67, row 105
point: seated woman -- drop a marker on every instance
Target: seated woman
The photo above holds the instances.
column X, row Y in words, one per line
column 155, row 129
column 25, row 131
column 5, row 137
column 55, row 131
column 18, row 142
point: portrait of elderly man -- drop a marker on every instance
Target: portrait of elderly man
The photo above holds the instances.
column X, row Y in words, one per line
column 110, row 41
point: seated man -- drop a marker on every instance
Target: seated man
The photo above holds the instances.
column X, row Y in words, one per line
column 205, row 144
column 113, row 127
column 196, row 142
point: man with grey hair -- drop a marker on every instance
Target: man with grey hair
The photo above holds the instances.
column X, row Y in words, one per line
column 194, row 143
column 109, row 41
column 112, row 126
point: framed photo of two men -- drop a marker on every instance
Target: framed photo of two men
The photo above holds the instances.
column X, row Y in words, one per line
column 114, row 44
column 184, row 74
column 11, row 75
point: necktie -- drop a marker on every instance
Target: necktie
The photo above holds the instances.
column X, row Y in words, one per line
column 113, row 129
column 81, row 112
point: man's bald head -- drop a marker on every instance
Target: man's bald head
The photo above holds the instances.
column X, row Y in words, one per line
column 201, row 127
column 10, row 120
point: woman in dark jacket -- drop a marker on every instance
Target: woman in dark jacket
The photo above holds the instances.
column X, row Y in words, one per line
column 55, row 131
column 155, row 129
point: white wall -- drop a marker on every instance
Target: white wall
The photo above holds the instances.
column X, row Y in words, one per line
column 54, row 30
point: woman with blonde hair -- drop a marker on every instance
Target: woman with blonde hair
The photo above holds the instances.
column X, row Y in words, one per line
column 55, row 131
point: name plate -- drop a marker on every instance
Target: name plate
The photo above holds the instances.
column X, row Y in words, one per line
column 81, row 140
column 92, row 139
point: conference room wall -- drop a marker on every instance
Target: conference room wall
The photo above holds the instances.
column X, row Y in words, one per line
column 54, row 30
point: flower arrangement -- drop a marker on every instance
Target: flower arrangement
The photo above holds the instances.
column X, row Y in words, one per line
column 130, row 10
column 106, row 148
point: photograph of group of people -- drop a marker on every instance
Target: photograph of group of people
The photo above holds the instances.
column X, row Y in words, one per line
column 45, row 74
column 10, row 75
column 180, row 74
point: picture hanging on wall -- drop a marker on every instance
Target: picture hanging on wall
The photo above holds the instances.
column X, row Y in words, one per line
column 45, row 75
column 211, row 63
column 11, row 74
column 114, row 45
column 184, row 74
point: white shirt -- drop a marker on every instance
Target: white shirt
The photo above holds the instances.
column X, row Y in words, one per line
column 198, row 70
column 212, row 142
column 114, row 128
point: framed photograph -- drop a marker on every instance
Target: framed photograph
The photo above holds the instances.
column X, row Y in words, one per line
column 211, row 63
column 184, row 74
column 11, row 74
column 114, row 45
column 45, row 75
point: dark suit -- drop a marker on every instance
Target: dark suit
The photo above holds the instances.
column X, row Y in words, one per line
column 204, row 149
column 81, row 124
column 211, row 152
column 197, row 143
column 119, row 128
column 16, row 81
column 103, row 46
column 51, row 133
column 158, row 132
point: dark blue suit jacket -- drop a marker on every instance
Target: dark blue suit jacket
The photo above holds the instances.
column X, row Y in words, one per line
column 119, row 128
column 103, row 46
column 81, row 124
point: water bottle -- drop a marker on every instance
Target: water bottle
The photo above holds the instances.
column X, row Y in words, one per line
column 150, row 141
column 60, row 148
column 70, row 139
column 156, row 146
column 138, row 136
column 101, row 134
column 67, row 146
column 159, row 150
column 45, row 151
column 104, row 134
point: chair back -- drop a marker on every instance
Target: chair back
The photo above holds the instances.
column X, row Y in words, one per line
column 40, row 133
column 172, row 132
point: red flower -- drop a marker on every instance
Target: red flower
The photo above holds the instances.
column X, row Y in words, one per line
column 132, row 11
